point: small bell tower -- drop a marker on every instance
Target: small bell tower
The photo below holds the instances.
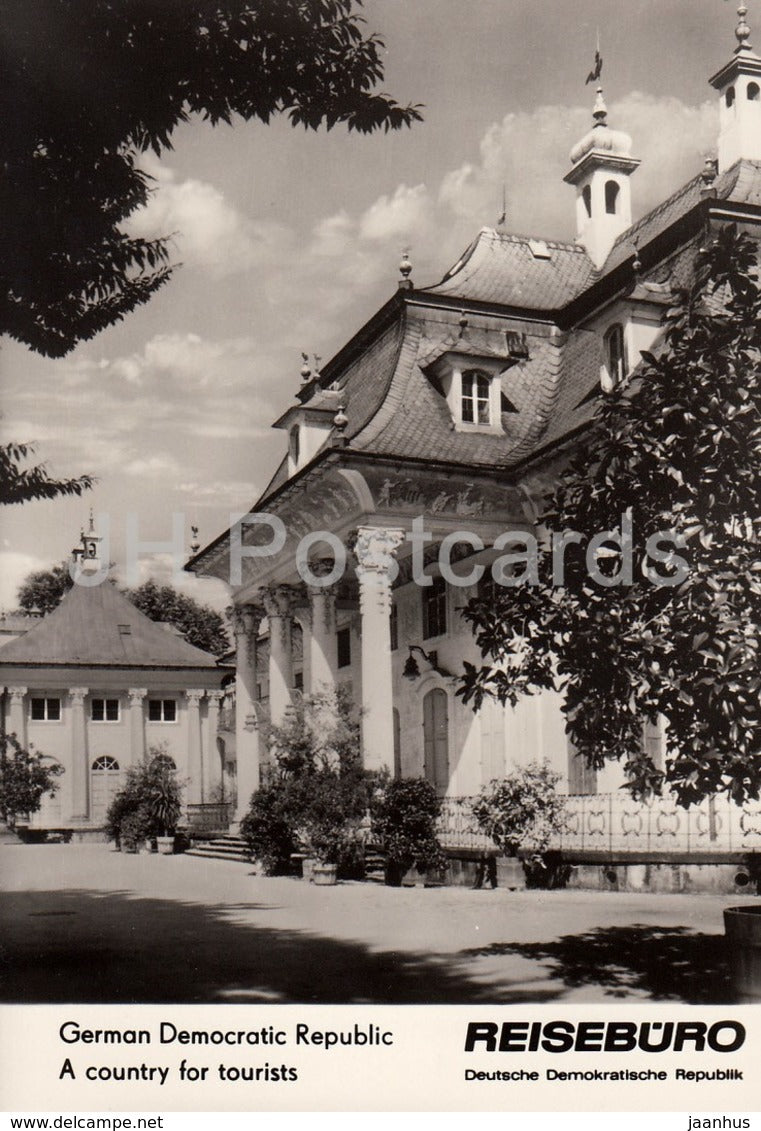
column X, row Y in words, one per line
column 739, row 87
column 87, row 554
column 601, row 167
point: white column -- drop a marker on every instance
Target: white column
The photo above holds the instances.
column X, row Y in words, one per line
column 80, row 776
column 195, row 794
column 17, row 714
column 374, row 550
column 136, row 725
column 322, row 639
column 246, row 621
column 277, row 602
column 212, row 765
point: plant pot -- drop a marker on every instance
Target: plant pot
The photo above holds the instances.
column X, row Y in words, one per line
column 307, row 868
column 510, row 873
column 324, row 874
column 165, row 845
column 394, row 874
column 742, row 927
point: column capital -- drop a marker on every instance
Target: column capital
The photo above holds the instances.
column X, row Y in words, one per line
column 17, row 693
column 246, row 618
column 78, row 695
column 136, row 695
column 215, row 697
column 278, row 600
column 375, row 548
column 194, row 696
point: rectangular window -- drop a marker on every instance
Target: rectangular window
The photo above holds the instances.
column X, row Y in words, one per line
column 298, row 681
column 162, row 710
column 343, row 647
column 46, row 710
column 435, row 609
column 104, row 710
column 394, row 628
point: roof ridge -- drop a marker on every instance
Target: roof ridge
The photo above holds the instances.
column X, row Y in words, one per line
column 526, row 237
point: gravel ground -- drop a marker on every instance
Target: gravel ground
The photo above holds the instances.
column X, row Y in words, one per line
column 82, row 923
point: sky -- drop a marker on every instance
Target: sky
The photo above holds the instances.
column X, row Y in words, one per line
column 289, row 241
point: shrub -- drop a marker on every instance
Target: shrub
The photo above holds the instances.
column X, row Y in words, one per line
column 135, row 828
column 24, row 779
column 522, row 811
column 153, row 789
column 404, row 814
column 317, row 794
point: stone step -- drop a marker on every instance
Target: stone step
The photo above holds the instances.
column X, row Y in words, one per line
column 222, row 848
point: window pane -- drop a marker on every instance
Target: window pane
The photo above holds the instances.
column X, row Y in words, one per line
column 96, row 710
column 38, row 708
column 343, row 648
column 170, row 710
column 394, row 628
column 435, row 609
column 154, row 710
column 467, row 410
column 54, row 709
column 112, row 710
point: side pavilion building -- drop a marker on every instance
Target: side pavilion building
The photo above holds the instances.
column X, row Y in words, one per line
column 440, row 425
column 97, row 687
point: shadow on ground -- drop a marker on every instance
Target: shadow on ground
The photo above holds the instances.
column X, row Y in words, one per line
column 665, row 963
column 87, row 947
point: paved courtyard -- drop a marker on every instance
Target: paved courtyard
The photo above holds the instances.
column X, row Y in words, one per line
column 82, row 923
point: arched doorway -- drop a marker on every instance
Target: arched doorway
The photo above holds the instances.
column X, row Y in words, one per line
column 105, row 780
column 436, row 739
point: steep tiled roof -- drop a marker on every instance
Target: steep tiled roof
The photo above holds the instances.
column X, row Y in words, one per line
column 415, row 421
column 740, row 184
column 501, row 268
column 96, row 625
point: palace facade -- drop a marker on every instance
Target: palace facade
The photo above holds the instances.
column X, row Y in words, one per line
column 440, row 425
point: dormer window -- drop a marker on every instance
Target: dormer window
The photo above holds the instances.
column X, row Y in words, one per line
column 615, row 357
column 476, row 398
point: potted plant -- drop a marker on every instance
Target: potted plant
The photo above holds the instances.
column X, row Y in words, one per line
column 404, row 813
column 521, row 813
column 163, row 804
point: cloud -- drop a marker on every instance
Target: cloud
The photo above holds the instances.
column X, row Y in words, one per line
column 208, row 231
column 399, row 216
column 528, row 153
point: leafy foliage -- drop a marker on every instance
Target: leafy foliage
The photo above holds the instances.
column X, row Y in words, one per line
column 522, row 811
column 24, row 779
column 150, row 801
column 43, row 590
column 199, row 624
column 318, row 793
column 20, row 484
column 404, row 812
column 678, row 449
column 89, row 85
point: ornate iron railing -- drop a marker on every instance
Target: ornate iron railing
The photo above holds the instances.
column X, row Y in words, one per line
column 614, row 824
column 211, row 818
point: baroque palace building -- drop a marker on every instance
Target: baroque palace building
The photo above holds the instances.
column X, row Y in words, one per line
column 454, row 408
column 97, row 687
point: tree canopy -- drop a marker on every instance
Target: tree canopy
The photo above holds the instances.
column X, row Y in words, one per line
column 19, row 484
column 89, row 85
column 25, row 778
column 675, row 452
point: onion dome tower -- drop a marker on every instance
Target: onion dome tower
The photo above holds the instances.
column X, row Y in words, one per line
column 601, row 166
column 739, row 87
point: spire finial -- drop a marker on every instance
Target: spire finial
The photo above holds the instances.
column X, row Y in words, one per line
column 405, row 270
column 306, row 372
column 742, row 31
column 600, row 110
column 92, row 522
